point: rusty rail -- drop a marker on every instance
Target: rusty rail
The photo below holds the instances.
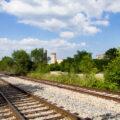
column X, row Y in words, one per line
column 57, row 109
column 66, row 86
column 12, row 108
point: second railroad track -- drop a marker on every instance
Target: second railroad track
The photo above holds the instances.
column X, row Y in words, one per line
column 109, row 95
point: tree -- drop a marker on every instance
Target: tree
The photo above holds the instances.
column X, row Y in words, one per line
column 22, row 62
column 54, row 67
column 78, row 58
column 112, row 71
column 111, row 53
column 80, row 54
column 71, row 65
column 6, row 64
column 101, row 64
column 43, row 68
column 65, row 66
column 40, row 60
column 87, row 65
column 39, row 56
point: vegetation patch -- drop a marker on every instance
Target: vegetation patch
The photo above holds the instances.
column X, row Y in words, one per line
column 87, row 81
column 36, row 65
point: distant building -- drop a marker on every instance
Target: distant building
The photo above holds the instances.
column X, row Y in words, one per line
column 100, row 56
column 54, row 60
column 59, row 60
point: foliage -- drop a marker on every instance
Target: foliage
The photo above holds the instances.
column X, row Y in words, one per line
column 71, row 65
column 6, row 64
column 111, row 53
column 22, row 62
column 76, row 80
column 101, row 64
column 39, row 59
column 43, row 68
column 67, row 64
column 87, row 65
column 80, row 54
column 54, row 67
column 112, row 72
column 78, row 58
column 39, row 55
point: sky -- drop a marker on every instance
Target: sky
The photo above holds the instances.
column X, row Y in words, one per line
column 61, row 26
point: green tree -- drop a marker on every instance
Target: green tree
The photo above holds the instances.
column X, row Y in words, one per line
column 66, row 65
column 101, row 64
column 87, row 65
column 112, row 71
column 43, row 68
column 39, row 56
column 80, row 54
column 54, row 67
column 78, row 58
column 71, row 65
column 111, row 53
column 22, row 62
column 6, row 64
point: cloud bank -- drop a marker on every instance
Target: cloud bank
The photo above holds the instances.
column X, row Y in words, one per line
column 56, row 45
column 66, row 17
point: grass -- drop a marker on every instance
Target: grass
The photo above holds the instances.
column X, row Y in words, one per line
column 87, row 81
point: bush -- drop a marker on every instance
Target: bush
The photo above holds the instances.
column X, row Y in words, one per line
column 111, row 86
column 90, row 81
column 112, row 72
column 65, row 66
column 111, row 53
column 101, row 64
column 22, row 62
column 7, row 64
column 54, row 67
column 87, row 65
column 42, row 68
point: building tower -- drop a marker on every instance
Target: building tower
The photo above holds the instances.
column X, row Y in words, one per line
column 53, row 58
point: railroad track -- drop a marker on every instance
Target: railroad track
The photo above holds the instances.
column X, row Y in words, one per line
column 109, row 95
column 5, row 111
column 20, row 105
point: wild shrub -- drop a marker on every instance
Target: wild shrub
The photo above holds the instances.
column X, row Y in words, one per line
column 22, row 62
column 112, row 71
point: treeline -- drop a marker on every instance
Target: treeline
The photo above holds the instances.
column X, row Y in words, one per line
column 82, row 62
column 22, row 63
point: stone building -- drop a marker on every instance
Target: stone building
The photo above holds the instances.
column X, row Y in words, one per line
column 54, row 60
column 100, row 56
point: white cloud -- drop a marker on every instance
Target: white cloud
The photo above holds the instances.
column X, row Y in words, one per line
column 53, row 24
column 83, row 44
column 56, row 45
column 68, row 35
column 82, row 17
column 104, row 23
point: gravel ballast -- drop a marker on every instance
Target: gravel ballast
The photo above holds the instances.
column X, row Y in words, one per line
column 85, row 105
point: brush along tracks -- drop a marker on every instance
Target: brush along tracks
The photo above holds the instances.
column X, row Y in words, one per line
column 24, row 106
column 109, row 95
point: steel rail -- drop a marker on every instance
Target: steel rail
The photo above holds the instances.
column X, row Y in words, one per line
column 71, row 85
column 51, row 106
column 13, row 108
column 57, row 84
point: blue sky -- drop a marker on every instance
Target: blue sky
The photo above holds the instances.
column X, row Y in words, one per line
column 61, row 27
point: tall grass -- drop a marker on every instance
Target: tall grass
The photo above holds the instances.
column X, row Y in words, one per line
column 87, row 81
